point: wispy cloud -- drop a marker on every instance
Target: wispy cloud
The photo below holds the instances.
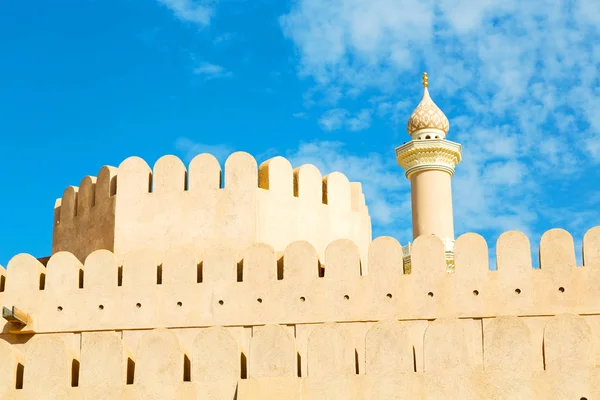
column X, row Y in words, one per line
column 212, row 71
column 523, row 78
column 333, row 119
column 338, row 118
column 197, row 12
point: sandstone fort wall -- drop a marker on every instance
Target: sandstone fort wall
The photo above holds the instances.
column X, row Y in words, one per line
column 168, row 283
column 298, row 326
column 133, row 207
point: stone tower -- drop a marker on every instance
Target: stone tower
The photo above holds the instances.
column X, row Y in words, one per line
column 429, row 161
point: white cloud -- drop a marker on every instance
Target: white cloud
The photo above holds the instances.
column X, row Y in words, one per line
column 518, row 80
column 360, row 121
column 527, row 61
column 212, row 71
column 193, row 11
column 333, row 119
column 508, row 173
column 339, row 118
column 592, row 145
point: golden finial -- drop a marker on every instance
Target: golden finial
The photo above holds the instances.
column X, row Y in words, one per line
column 427, row 115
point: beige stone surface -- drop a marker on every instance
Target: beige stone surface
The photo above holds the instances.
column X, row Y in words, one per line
column 10, row 358
column 386, row 260
column 135, row 208
column 444, row 346
column 507, row 346
column 103, row 365
column 476, row 286
column 22, row 290
column 165, row 285
column 272, row 353
column 388, row 349
column 331, row 353
column 215, row 356
column 84, row 226
column 259, row 264
column 159, row 364
column 48, row 372
column 145, row 292
column 568, row 344
column 272, row 388
column 179, row 266
column 431, row 193
column 342, row 260
column 591, row 248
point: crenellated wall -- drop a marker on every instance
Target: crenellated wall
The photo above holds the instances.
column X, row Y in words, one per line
column 133, row 207
column 181, row 287
column 178, row 325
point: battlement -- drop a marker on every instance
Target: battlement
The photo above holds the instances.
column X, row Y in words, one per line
column 299, row 326
column 133, row 207
column 181, row 288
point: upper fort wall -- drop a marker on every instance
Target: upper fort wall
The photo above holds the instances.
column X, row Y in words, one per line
column 181, row 287
column 133, row 207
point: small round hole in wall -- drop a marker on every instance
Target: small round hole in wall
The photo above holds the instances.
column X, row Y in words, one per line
column 475, row 292
column 221, row 302
column 302, row 299
column 59, row 308
column 259, row 300
column 583, row 398
column 346, row 297
column 518, row 291
column 179, row 304
column 389, row 295
column 561, row 289
column 138, row 305
column 430, row 294
column 100, row 307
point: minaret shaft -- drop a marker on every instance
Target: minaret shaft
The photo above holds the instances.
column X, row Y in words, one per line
column 431, row 195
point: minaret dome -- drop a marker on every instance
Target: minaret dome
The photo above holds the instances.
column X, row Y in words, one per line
column 427, row 120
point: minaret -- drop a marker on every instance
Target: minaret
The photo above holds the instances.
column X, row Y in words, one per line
column 429, row 161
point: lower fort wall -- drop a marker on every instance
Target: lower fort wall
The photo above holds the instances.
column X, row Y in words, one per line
column 504, row 357
column 294, row 325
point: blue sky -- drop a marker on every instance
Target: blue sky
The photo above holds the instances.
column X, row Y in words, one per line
column 333, row 83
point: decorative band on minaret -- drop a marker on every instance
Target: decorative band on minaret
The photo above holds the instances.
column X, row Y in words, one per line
column 429, row 161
